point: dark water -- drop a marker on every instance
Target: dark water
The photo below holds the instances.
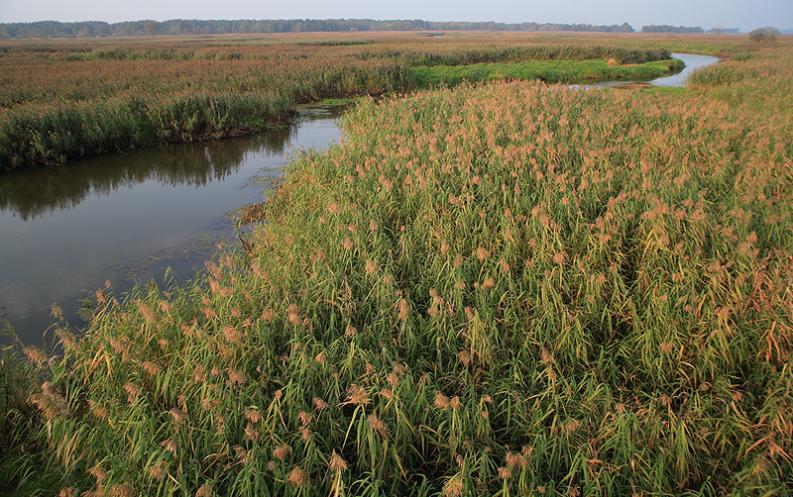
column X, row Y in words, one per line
column 126, row 218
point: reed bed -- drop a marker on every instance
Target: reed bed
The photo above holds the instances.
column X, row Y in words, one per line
column 513, row 289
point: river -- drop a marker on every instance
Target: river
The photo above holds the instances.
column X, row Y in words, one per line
column 125, row 218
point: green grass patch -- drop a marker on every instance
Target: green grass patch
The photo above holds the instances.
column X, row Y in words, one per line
column 551, row 71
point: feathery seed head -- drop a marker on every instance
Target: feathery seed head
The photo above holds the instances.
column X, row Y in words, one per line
column 453, row 487
column 356, row 395
column 297, row 477
column 282, row 452
column 441, row 401
column 336, row 462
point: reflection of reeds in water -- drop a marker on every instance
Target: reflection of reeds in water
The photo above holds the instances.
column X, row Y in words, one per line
column 31, row 193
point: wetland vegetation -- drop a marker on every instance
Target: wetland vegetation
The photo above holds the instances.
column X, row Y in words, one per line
column 549, row 71
column 500, row 289
column 61, row 100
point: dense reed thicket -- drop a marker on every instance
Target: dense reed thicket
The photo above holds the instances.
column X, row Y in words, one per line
column 21, row 449
column 513, row 289
column 60, row 100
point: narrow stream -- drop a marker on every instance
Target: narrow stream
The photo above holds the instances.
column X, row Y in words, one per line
column 126, row 218
column 693, row 62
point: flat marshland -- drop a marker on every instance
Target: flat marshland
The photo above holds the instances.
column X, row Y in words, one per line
column 507, row 289
column 64, row 99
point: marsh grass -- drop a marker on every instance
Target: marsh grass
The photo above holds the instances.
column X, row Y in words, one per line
column 62, row 100
column 25, row 468
column 511, row 289
column 550, row 71
column 62, row 134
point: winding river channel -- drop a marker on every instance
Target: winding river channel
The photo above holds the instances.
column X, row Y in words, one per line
column 125, row 218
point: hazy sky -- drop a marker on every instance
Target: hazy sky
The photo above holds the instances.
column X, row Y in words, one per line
column 706, row 13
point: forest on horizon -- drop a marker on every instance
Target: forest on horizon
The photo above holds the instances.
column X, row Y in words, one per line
column 206, row 27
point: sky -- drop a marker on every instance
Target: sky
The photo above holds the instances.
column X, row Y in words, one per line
column 744, row 14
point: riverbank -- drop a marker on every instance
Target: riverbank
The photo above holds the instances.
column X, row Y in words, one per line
column 500, row 290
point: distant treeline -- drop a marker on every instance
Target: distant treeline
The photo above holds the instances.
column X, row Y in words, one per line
column 665, row 28
column 197, row 27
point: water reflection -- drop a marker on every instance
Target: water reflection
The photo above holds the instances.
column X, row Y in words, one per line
column 64, row 231
column 37, row 192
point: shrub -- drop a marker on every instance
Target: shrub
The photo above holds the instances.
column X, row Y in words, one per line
column 766, row 34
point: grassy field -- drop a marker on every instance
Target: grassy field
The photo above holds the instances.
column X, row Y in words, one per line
column 63, row 99
column 509, row 289
column 549, row 71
